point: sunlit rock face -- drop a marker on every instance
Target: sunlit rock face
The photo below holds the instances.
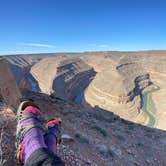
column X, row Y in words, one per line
column 119, row 89
column 123, row 77
column 62, row 76
column 9, row 90
column 134, row 73
column 20, row 64
column 99, row 61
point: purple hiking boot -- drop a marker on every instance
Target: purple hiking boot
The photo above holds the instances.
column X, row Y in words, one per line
column 30, row 130
column 53, row 135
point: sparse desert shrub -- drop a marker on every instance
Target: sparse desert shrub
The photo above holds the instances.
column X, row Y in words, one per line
column 105, row 151
column 120, row 137
column 139, row 144
column 70, row 111
column 103, row 115
column 81, row 138
column 128, row 131
column 131, row 127
column 111, row 153
column 149, row 135
column 148, row 130
column 100, row 130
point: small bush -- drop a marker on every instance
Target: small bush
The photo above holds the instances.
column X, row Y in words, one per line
column 100, row 130
column 120, row 137
column 105, row 151
column 131, row 127
column 111, row 153
column 81, row 138
column 139, row 144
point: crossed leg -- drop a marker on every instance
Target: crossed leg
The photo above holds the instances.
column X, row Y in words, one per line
column 35, row 147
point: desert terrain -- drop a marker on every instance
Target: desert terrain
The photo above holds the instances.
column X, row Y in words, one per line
column 112, row 104
column 125, row 83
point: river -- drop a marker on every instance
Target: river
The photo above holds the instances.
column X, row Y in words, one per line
column 148, row 105
column 149, row 108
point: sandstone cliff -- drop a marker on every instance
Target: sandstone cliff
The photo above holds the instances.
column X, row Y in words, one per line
column 8, row 88
column 119, row 90
column 99, row 61
column 64, row 76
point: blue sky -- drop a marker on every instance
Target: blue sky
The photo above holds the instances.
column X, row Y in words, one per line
column 34, row 26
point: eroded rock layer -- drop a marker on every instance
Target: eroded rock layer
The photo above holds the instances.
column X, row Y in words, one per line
column 119, row 89
column 8, row 88
column 136, row 69
column 62, row 76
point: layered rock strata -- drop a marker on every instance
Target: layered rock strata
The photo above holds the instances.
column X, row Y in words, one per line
column 45, row 72
column 119, row 89
column 62, row 76
column 9, row 90
column 99, row 62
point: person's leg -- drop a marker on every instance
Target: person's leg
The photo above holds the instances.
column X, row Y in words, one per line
column 53, row 134
column 44, row 157
column 32, row 150
column 33, row 139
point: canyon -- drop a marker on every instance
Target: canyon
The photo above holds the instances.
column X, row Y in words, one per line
column 111, row 103
column 115, row 81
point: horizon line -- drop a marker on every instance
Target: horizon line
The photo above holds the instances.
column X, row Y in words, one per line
column 86, row 51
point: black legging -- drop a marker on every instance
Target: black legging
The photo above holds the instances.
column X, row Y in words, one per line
column 43, row 157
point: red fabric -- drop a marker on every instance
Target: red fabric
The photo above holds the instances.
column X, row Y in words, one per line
column 21, row 153
column 32, row 109
column 54, row 121
column 20, row 157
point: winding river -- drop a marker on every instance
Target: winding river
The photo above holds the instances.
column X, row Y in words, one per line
column 149, row 108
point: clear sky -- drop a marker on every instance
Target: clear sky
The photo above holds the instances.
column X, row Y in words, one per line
column 31, row 26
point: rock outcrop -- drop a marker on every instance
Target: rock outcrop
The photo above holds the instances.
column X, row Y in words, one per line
column 135, row 76
column 9, row 90
column 99, row 61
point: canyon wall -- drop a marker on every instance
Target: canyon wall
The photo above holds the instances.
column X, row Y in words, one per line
column 9, row 90
column 119, row 89
column 62, row 76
